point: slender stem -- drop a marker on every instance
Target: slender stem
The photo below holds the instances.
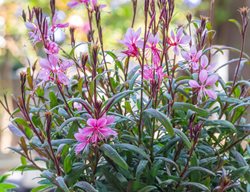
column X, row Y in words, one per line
column 134, row 12
column 142, row 69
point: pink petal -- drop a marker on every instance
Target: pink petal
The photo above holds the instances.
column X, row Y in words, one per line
column 110, row 120
column 138, row 33
column 204, row 61
column 44, row 63
column 203, row 76
column 211, row 80
column 179, row 33
column 73, row 4
column 185, row 40
column 80, row 147
column 195, row 65
column 44, row 75
column 176, row 50
column 66, row 64
column 194, row 84
column 53, row 59
column 172, row 35
column 185, row 55
column 62, row 78
column 198, row 54
column 80, row 137
column 211, row 94
column 92, row 122
column 30, row 26
column 193, row 50
column 87, row 131
column 101, row 122
column 107, row 132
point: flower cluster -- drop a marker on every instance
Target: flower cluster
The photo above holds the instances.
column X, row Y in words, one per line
column 52, row 68
column 95, row 131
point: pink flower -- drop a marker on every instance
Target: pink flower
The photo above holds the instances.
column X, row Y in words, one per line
column 75, row 3
column 152, row 47
column 54, row 69
column 34, row 32
column 51, row 48
column 178, row 40
column 205, row 81
column 94, row 4
column 153, row 73
column 95, row 131
column 193, row 57
column 133, row 42
column 77, row 106
column 59, row 15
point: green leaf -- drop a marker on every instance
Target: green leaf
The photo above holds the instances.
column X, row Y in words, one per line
column 41, row 188
column 115, row 99
column 167, row 160
column 132, row 148
column 140, row 168
column 62, row 184
column 67, row 164
column 53, row 99
column 4, row 187
column 72, row 119
column 222, row 123
column 183, row 137
column 201, row 169
column 234, row 21
column 187, row 106
column 162, row 118
column 85, row 186
column 114, row 156
column 63, row 112
column 197, row 185
column 148, row 188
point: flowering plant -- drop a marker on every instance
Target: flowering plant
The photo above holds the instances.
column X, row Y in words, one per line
column 155, row 116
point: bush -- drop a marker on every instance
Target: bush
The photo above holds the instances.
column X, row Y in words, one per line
column 149, row 118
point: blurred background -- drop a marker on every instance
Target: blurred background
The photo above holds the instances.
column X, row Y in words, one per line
column 16, row 51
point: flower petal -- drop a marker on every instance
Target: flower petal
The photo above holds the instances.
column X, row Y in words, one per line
column 203, row 76
column 211, row 94
column 101, row 122
column 92, row 122
column 80, row 137
column 211, row 80
column 185, row 39
column 204, row 61
column 80, row 147
column 194, row 84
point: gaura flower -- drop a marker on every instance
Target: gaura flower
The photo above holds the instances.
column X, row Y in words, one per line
column 178, row 39
column 193, row 57
column 204, row 83
column 54, row 69
column 51, row 48
column 94, row 5
column 133, row 42
column 153, row 73
column 95, row 131
column 59, row 15
column 77, row 106
column 152, row 48
column 34, row 32
column 75, row 3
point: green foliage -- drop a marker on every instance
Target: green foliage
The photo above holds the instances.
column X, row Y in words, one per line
column 168, row 138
